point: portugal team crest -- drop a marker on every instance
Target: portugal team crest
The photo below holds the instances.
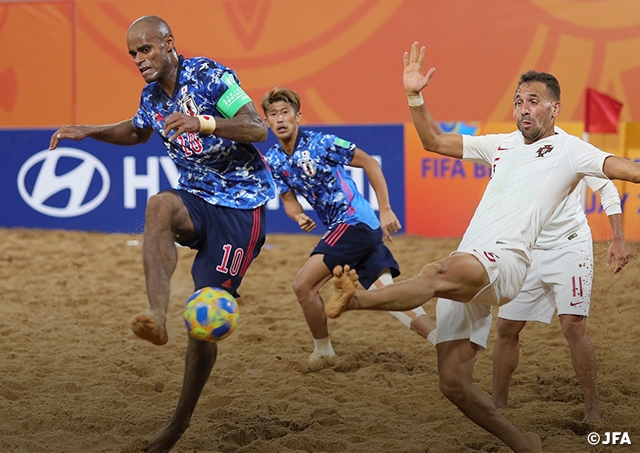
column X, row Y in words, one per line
column 544, row 150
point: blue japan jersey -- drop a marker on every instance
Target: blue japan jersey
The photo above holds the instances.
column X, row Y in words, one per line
column 316, row 171
column 221, row 171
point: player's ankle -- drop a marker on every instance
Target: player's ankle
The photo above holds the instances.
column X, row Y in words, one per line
column 323, row 347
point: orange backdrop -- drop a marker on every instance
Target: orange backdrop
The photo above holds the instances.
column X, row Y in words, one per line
column 66, row 61
column 441, row 194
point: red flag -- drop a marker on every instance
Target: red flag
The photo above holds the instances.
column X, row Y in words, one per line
column 602, row 112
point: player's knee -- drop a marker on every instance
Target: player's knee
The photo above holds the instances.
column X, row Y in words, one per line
column 166, row 210
column 296, row 286
column 432, row 275
column 158, row 209
column 451, row 386
column 508, row 330
column 573, row 327
column 433, row 269
column 302, row 290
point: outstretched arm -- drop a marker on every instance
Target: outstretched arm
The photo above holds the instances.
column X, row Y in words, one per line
column 388, row 220
column 414, row 80
column 295, row 211
column 616, row 167
column 122, row 133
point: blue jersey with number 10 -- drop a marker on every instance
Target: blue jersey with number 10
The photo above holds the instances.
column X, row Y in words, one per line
column 221, row 171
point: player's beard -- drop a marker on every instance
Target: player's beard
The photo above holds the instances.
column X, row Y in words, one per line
column 531, row 133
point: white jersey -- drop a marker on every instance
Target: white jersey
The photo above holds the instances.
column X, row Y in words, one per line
column 528, row 183
column 569, row 224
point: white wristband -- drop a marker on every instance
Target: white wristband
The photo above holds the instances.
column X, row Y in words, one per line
column 207, row 124
column 415, row 100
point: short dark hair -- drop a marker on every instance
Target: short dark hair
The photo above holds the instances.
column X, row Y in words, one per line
column 277, row 94
column 552, row 84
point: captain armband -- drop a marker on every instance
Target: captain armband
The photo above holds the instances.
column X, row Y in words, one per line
column 415, row 100
column 207, row 124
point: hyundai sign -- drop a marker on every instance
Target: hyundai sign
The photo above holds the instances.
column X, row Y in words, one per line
column 94, row 186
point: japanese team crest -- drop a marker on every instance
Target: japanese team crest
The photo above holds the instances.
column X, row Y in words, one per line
column 307, row 165
column 188, row 105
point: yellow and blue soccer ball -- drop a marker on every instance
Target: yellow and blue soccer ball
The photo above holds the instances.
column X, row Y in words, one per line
column 211, row 314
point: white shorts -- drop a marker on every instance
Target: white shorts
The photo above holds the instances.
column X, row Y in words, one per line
column 507, row 269
column 461, row 321
column 558, row 278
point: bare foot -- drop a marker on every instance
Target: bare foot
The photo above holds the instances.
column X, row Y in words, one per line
column 164, row 441
column 501, row 405
column 314, row 362
column 534, row 442
column 147, row 329
column 345, row 283
column 592, row 416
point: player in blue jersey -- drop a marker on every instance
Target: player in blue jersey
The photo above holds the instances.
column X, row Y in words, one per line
column 208, row 125
column 311, row 164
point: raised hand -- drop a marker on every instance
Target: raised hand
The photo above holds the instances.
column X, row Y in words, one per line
column 413, row 77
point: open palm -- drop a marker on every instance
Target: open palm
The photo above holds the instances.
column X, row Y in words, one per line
column 413, row 78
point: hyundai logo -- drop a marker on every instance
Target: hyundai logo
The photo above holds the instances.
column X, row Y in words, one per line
column 77, row 181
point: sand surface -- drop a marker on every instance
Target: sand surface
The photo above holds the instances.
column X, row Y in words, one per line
column 73, row 378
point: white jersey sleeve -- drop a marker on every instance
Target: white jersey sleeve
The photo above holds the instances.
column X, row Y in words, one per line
column 609, row 196
column 482, row 149
column 586, row 159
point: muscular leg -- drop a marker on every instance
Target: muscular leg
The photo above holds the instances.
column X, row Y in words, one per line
column 455, row 366
column 458, row 277
column 199, row 361
column 583, row 358
column 506, row 353
column 306, row 286
column 166, row 219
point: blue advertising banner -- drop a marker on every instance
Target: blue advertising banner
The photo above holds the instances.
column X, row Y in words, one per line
column 94, row 186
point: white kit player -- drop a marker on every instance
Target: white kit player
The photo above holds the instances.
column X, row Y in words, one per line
column 560, row 276
column 534, row 170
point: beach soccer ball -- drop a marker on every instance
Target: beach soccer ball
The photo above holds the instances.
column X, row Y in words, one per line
column 211, row 314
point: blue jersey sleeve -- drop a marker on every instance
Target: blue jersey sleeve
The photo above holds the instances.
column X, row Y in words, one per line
column 141, row 120
column 339, row 151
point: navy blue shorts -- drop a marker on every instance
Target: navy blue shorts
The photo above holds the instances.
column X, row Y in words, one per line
column 360, row 247
column 227, row 241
